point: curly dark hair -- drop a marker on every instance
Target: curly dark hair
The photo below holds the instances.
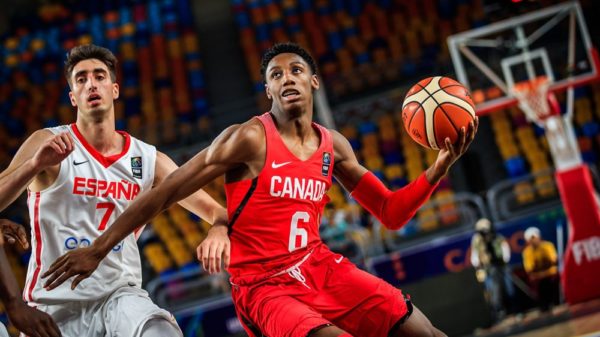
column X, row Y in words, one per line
column 90, row 51
column 287, row 47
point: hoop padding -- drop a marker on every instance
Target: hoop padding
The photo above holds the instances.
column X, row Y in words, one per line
column 532, row 97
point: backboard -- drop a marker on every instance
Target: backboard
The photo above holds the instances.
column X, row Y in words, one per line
column 552, row 43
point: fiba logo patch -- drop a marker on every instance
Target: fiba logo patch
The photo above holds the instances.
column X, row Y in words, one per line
column 136, row 167
column 326, row 164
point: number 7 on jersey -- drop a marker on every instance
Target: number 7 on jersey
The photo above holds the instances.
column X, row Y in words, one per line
column 110, row 207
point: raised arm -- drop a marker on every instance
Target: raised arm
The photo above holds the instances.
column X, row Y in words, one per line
column 36, row 162
column 222, row 155
column 394, row 209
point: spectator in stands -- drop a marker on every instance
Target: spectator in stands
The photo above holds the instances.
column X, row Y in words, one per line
column 540, row 263
column 490, row 254
column 26, row 319
column 334, row 233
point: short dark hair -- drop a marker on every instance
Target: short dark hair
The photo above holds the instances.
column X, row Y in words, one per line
column 287, row 47
column 90, row 51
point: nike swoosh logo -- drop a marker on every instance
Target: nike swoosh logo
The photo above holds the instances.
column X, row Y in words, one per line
column 275, row 165
column 339, row 259
column 79, row 163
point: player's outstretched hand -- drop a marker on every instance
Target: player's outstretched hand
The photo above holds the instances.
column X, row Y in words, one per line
column 30, row 321
column 13, row 232
column 54, row 150
column 451, row 152
column 214, row 249
column 81, row 262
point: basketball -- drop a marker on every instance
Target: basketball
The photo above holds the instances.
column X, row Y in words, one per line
column 436, row 108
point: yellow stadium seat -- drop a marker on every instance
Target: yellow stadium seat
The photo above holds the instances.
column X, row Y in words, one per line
column 524, row 192
column 545, row 186
column 156, row 256
column 427, row 220
column 374, row 163
column 179, row 252
column 393, row 171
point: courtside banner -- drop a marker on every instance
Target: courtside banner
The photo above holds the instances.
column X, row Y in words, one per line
column 445, row 254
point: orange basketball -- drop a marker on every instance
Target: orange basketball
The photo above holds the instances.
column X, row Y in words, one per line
column 436, row 108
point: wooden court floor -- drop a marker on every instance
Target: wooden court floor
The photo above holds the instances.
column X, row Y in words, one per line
column 588, row 326
column 579, row 320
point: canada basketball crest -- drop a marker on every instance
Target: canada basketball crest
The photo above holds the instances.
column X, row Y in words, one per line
column 136, row 167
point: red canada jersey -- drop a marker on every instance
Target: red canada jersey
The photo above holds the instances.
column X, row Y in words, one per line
column 274, row 218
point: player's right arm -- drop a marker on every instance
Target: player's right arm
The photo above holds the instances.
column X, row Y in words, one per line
column 395, row 208
column 228, row 151
column 35, row 164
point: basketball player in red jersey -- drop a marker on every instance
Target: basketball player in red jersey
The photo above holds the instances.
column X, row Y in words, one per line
column 278, row 168
column 79, row 178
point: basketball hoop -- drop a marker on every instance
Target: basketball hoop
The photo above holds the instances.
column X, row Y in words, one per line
column 532, row 97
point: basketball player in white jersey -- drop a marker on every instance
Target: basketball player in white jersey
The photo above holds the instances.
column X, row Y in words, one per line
column 80, row 177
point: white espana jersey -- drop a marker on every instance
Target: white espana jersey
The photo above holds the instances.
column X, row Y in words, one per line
column 90, row 192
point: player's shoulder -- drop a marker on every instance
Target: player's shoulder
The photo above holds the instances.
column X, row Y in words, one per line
column 335, row 134
column 341, row 145
column 138, row 142
column 39, row 136
column 248, row 133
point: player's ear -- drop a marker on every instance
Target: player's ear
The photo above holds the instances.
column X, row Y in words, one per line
column 269, row 96
column 72, row 99
column 115, row 90
column 314, row 82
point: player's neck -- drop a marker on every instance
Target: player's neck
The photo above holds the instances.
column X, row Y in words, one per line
column 101, row 135
column 293, row 125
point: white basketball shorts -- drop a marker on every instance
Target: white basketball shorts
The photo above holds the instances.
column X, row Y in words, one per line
column 121, row 314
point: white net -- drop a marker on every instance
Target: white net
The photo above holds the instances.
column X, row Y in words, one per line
column 533, row 99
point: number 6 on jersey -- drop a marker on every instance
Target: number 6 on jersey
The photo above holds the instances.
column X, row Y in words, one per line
column 296, row 232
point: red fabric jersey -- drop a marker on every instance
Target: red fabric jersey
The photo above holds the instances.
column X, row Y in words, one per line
column 274, row 218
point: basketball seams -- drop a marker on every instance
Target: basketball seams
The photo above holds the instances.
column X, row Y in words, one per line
column 448, row 116
column 469, row 109
column 450, row 93
column 454, row 101
column 427, row 127
column 419, row 101
column 429, row 118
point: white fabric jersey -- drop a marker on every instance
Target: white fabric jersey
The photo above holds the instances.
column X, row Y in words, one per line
column 90, row 192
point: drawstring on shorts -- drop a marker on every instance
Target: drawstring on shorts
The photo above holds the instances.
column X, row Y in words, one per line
column 296, row 273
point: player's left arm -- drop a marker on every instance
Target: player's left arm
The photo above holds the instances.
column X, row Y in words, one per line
column 395, row 208
column 199, row 203
column 28, row 320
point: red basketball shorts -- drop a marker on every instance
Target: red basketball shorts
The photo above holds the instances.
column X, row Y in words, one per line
column 321, row 290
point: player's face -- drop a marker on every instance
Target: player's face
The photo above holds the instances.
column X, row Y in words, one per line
column 92, row 89
column 290, row 82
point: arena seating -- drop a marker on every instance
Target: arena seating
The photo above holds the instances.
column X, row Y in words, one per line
column 163, row 98
column 358, row 45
